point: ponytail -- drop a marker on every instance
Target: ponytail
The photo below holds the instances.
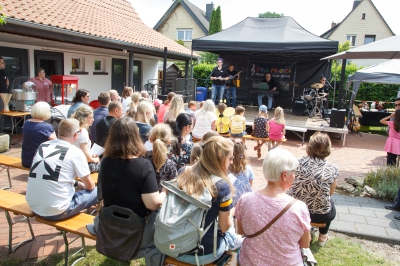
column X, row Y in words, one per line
column 160, row 151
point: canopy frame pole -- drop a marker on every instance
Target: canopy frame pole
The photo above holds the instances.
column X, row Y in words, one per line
column 340, row 100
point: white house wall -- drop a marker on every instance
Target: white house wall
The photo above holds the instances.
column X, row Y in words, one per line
column 94, row 83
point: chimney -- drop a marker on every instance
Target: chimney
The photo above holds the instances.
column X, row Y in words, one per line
column 333, row 25
column 209, row 9
column 356, row 3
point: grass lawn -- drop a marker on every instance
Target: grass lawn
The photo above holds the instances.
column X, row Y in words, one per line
column 337, row 251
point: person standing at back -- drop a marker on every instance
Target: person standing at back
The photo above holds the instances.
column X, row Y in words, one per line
column 115, row 112
column 230, row 86
column 44, row 86
column 99, row 113
column 218, row 76
column 4, row 83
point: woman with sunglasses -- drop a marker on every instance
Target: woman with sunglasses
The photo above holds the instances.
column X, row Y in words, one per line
column 84, row 115
column 210, row 172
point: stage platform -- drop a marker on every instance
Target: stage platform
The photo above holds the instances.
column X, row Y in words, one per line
column 302, row 122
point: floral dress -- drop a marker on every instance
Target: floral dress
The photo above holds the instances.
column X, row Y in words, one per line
column 167, row 172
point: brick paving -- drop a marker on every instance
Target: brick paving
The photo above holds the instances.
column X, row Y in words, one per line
column 358, row 216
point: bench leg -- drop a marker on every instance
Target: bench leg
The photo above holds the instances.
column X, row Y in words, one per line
column 9, row 177
column 10, row 231
column 66, row 253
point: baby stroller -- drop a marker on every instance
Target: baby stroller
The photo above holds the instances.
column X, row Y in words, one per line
column 58, row 113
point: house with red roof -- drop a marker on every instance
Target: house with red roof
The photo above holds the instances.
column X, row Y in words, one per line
column 103, row 42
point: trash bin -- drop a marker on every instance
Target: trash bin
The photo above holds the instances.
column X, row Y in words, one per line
column 201, row 94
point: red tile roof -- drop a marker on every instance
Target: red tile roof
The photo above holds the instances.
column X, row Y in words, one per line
column 114, row 19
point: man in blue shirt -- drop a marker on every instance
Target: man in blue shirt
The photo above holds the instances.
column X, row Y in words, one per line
column 99, row 113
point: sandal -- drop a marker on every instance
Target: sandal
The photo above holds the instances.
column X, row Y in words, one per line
column 322, row 243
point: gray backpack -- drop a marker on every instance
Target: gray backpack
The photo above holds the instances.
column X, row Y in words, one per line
column 180, row 222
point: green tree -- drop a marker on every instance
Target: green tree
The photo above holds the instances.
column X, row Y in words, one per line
column 2, row 17
column 269, row 14
column 344, row 46
column 180, row 42
column 215, row 21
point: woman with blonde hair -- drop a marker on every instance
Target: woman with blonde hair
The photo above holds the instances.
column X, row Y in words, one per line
column 164, row 107
column 84, row 115
column 160, row 136
column 36, row 131
column 144, row 113
column 276, row 128
column 210, row 172
column 279, row 244
column 126, row 98
column 205, row 120
column 177, row 106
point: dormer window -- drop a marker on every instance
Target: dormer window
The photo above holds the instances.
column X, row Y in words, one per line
column 363, row 16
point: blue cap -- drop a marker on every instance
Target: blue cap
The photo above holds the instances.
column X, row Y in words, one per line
column 263, row 108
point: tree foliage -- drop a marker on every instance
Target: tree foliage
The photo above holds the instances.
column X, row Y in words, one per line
column 367, row 91
column 269, row 14
column 208, row 58
column 2, row 17
column 180, row 42
column 215, row 21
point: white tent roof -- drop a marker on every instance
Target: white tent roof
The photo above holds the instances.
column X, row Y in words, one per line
column 388, row 48
column 387, row 72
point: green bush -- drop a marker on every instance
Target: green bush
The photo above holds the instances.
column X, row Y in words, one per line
column 367, row 91
column 385, row 180
column 201, row 73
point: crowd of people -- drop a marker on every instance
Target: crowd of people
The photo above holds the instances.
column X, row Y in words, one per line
column 148, row 142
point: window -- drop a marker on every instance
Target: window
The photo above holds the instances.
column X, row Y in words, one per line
column 369, row 39
column 184, row 34
column 363, row 16
column 352, row 39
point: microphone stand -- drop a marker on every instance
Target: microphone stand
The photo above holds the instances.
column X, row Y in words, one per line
column 212, row 72
column 333, row 102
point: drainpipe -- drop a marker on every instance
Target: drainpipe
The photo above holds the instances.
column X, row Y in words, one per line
column 164, row 91
column 130, row 70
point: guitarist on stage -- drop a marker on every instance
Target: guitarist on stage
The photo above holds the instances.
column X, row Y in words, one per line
column 230, row 87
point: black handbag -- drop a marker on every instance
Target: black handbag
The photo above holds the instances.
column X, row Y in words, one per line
column 119, row 233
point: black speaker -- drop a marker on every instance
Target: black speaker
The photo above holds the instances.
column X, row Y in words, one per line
column 337, row 118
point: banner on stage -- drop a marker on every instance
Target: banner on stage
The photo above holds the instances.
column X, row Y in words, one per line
column 283, row 73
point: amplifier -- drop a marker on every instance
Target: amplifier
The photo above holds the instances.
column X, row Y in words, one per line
column 337, row 118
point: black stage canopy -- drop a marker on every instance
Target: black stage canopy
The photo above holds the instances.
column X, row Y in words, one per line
column 271, row 40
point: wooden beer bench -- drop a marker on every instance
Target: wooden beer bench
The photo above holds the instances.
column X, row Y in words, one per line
column 263, row 140
column 8, row 161
column 75, row 225
column 16, row 203
column 173, row 261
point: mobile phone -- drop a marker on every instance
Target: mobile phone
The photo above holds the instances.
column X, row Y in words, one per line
column 223, row 259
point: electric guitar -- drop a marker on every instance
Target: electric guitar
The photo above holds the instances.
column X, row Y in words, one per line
column 237, row 74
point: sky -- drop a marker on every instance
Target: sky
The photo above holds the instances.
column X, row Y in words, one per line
column 315, row 16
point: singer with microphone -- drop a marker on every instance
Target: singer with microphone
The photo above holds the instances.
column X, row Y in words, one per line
column 218, row 77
